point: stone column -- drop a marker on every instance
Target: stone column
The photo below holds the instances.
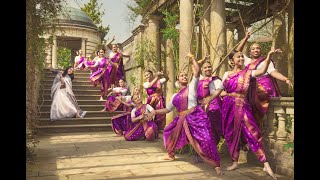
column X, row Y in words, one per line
column 185, row 36
column 270, row 126
column 281, row 114
column 54, row 53
column 280, row 59
column 48, row 63
column 205, row 28
column 291, row 45
column 83, row 46
column 153, row 35
column 218, row 35
column 230, row 36
column 170, row 67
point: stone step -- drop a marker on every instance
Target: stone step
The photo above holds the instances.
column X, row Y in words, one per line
column 89, row 114
column 73, row 128
column 47, row 71
column 76, row 91
column 75, row 86
column 74, row 82
column 80, row 102
column 79, row 97
column 76, row 76
column 46, row 108
column 86, row 78
column 75, row 121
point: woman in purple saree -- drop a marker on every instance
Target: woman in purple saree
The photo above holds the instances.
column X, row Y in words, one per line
column 117, row 69
column 79, row 61
column 122, row 122
column 102, row 75
column 265, row 86
column 141, row 127
column 155, row 97
column 237, row 119
column 113, row 103
column 192, row 124
column 209, row 89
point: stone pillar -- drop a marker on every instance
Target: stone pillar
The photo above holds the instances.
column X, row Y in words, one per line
column 185, row 36
column 270, row 126
column 54, row 53
column 153, row 35
column 48, row 63
column 83, row 46
column 170, row 67
column 205, row 28
column 281, row 114
column 230, row 36
column 230, row 43
column 291, row 46
column 218, row 35
column 280, row 59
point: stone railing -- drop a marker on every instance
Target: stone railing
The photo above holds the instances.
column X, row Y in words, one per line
column 280, row 109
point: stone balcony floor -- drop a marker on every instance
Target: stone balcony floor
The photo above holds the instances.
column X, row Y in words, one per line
column 101, row 155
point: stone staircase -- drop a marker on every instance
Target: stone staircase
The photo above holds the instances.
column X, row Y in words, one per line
column 88, row 99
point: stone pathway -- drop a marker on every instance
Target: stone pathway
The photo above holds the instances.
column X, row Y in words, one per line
column 101, row 155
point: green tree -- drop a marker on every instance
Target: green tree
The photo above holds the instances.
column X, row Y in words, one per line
column 94, row 11
column 63, row 58
column 38, row 16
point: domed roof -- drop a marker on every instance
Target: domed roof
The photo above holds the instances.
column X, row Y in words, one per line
column 70, row 15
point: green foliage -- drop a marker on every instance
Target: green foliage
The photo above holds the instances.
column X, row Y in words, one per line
column 145, row 52
column 290, row 145
column 63, row 58
column 185, row 149
column 170, row 32
column 133, row 80
column 94, row 11
column 38, row 16
column 219, row 145
column 140, row 7
column 288, row 123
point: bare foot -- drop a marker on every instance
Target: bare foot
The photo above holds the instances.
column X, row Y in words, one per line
column 268, row 169
column 118, row 135
column 218, row 171
column 233, row 166
column 101, row 98
column 104, row 109
column 169, row 158
column 78, row 115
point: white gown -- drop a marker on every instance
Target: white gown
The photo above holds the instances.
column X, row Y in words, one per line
column 64, row 103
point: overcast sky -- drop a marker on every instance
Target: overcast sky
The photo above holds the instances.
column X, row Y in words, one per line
column 115, row 15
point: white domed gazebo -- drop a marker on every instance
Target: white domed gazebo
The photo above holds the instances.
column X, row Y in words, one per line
column 75, row 30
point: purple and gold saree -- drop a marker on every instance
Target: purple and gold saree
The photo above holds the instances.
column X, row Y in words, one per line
column 237, row 120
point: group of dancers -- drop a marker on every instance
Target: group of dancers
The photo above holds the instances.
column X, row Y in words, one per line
column 209, row 108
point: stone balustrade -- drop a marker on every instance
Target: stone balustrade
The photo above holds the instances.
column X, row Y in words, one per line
column 280, row 109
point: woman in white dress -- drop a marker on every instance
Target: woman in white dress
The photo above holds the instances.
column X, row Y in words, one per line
column 64, row 103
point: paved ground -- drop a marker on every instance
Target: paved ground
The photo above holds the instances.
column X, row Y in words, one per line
column 101, row 155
